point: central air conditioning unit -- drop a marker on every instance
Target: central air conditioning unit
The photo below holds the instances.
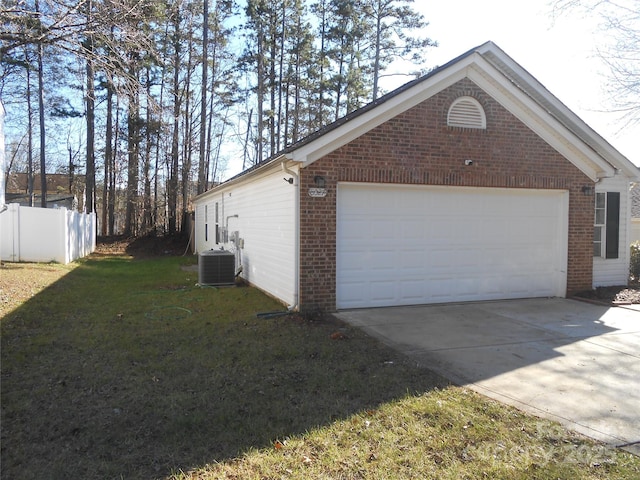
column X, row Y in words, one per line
column 216, row 267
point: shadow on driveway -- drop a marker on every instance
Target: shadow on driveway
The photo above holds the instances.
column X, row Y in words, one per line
column 570, row 361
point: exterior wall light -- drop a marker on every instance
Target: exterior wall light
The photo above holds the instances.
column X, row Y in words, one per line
column 587, row 190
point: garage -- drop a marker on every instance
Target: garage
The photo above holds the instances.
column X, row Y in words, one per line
column 410, row 245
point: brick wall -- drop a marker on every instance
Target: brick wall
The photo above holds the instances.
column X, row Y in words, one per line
column 418, row 148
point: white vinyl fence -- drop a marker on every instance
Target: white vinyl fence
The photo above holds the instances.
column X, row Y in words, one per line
column 29, row 234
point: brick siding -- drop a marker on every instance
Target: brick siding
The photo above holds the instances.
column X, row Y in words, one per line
column 417, row 147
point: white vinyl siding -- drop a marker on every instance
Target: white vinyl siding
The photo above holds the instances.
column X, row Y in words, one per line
column 615, row 271
column 265, row 209
column 405, row 245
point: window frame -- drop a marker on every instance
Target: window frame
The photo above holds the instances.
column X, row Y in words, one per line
column 607, row 226
column 599, row 224
column 217, row 224
column 206, row 223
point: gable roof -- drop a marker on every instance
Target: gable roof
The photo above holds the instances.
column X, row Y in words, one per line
column 501, row 77
column 532, row 87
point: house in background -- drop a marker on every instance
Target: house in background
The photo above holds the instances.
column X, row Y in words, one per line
column 471, row 183
column 63, row 190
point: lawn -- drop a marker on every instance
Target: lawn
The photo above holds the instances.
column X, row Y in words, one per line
column 118, row 367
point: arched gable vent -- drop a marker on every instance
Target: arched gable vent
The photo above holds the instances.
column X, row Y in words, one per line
column 466, row 112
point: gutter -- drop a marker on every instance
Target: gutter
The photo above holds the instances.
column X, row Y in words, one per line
column 256, row 169
column 295, row 181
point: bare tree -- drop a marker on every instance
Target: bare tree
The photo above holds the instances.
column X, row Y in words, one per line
column 90, row 181
column 172, row 187
column 202, row 159
column 29, row 129
column 43, row 150
column 620, row 20
column 108, row 161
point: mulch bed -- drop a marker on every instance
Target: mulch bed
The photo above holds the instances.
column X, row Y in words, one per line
column 619, row 295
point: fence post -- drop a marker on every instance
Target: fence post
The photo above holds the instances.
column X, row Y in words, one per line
column 64, row 234
column 15, row 248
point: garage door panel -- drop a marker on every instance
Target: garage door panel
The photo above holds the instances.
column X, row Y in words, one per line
column 412, row 289
column 354, row 265
column 385, row 230
column 355, row 292
column 383, row 290
column 440, row 289
column 412, row 258
column 399, row 245
column 412, row 229
column 353, row 228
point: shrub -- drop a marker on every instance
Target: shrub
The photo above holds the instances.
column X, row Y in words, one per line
column 634, row 266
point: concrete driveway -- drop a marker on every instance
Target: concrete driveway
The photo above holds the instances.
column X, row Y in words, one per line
column 570, row 361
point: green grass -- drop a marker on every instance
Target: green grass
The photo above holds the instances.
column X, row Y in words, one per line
column 450, row 433
column 126, row 369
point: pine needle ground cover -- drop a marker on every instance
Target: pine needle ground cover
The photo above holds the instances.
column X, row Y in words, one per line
column 117, row 367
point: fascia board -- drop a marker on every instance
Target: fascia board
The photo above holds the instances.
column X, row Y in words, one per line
column 334, row 139
column 623, row 163
column 528, row 111
column 246, row 176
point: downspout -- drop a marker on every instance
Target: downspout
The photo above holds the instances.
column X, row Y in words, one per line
column 296, row 262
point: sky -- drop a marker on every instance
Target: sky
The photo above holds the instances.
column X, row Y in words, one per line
column 559, row 52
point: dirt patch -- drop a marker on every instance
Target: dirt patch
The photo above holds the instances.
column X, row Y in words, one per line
column 21, row 281
column 148, row 246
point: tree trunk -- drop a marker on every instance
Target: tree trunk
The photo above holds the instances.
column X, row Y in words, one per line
column 279, row 118
column 273, row 84
column 376, row 61
column 29, row 133
column 246, row 141
column 202, row 163
column 90, row 105
column 108, row 158
column 322, row 53
column 157, row 152
column 172, row 190
column 260, row 93
column 112, row 179
column 133, row 168
column 146, row 171
column 188, row 128
column 43, row 164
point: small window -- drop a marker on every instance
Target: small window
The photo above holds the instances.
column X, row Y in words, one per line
column 217, row 225
column 606, row 229
column 599, row 224
column 206, row 223
column 466, row 112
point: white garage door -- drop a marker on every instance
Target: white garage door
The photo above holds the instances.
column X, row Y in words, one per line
column 405, row 245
